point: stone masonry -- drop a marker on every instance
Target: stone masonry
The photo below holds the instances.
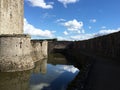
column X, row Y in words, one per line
column 15, row 47
column 11, row 16
column 17, row 52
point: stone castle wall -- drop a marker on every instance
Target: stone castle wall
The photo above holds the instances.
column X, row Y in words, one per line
column 39, row 49
column 57, row 45
column 15, row 53
column 11, row 16
column 104, row 46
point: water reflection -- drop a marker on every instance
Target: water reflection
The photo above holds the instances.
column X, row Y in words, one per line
column 57, row 77
column 15, row 81
column 40, row 66
column 52, row 76
column 57, row 58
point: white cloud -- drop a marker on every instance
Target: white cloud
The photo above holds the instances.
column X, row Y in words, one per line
column 70, row 69
column 81, row 37
column 65, row 2
column 85, row 36
column 60, row 38
column 47, row 15
column 92, row 35
column 65, row 33
column 93, row 20
column 41, row 4
column 75, row 37
column 105, row 32
column 73, row 25
column 30, row 29
column 103, row 27
column 82, row 31
column 64, row 38
column 89, row 27
column 60, row 20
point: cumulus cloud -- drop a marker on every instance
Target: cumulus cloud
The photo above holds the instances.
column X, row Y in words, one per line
column 92, row 35
column 41, row 4
column 75, row 37
column 105, row 32
column 60, row 38
column 81, row 37
column 30, row 29
column 73, row 25
column 65, row 33
column 65, row 2
column 93, row 20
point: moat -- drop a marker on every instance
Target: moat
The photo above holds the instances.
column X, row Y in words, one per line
column 48, row 74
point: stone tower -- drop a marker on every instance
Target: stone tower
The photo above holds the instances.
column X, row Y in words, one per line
column 11, row 16
column 15, row 47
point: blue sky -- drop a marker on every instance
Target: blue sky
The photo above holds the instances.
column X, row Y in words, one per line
column 71, row 19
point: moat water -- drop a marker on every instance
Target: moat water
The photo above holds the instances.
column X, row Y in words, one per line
column 52, row 74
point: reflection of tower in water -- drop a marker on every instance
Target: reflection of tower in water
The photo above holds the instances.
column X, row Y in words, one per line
column 15, row 80
column 41, row 66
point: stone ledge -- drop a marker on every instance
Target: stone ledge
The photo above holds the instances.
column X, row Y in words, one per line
column 15, row 35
